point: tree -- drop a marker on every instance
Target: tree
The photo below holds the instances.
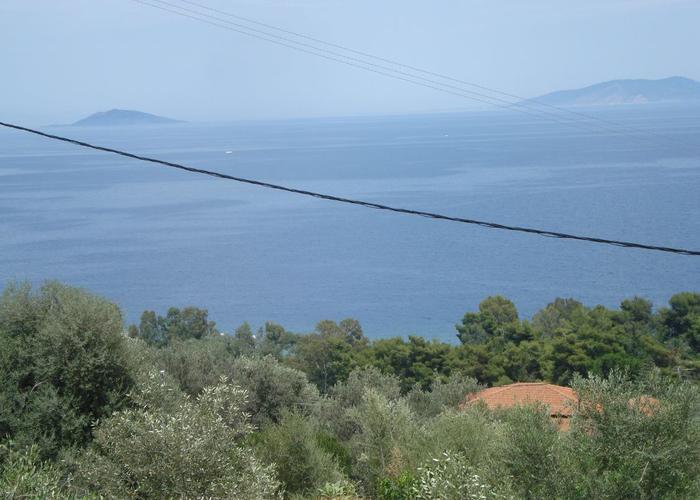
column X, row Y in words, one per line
column 450, row 477
column 497, row 318
column 634, row 438
column 64, row 364
column 416, row 362
column 326, row 359
column 273, row 339
column 682, row 320
column 589, row 349
column 189, row 449
column 387, row 429
column 23, row 475
column 150, row 330
column 350, row 393
column 348, row 330
column 556, row 316
column 292, row 445
column 352, row 330
column 244, row 338
column 178, row 324
column 442, row 395
column 272, row 388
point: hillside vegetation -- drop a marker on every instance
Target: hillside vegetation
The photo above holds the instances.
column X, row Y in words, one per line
column 170, row 408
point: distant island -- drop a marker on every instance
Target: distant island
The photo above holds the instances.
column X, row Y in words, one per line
column 673, row 89
column 122, row 117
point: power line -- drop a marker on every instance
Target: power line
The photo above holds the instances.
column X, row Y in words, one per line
column 523, row 101
column 376, row 68
column 523, row 106
column 366, row 204
column 312, row 52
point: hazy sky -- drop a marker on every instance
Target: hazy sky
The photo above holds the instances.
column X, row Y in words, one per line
column 63, row 59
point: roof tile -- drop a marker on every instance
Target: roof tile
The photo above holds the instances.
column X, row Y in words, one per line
column 560, row 400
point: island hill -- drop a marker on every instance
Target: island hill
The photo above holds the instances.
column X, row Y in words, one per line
column 673, row 89
column 122, row 117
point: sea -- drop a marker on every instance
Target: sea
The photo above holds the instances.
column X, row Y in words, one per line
column 150, row 237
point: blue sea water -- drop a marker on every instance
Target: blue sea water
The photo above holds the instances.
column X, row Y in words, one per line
column 148, row 237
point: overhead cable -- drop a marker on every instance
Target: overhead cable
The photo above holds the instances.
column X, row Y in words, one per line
column 523, row 105
column 366, row 204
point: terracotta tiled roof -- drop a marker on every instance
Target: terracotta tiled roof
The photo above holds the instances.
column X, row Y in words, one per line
column 560, row 400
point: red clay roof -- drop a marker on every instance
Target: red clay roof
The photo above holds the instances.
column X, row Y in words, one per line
column 560, row 400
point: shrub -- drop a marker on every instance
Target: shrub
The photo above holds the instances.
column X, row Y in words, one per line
column 192, row 451
column 272, row 388
column 443, row 394
column 387, row 436
column 302, row 465
column 349, row 394
column 197, row 363
column 397, row 488
column 64, row 363
column 635, row 438
column 24, row 476
column 528, row 451
column 450, row 477
column 339, row 490
column 473, row 432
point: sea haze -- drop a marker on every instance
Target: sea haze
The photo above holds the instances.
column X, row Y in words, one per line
column 149, row 237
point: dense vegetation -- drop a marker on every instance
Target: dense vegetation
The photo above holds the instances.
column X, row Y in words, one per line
column 171, row 408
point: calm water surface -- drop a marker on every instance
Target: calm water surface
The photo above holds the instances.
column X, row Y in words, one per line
column 149, row 237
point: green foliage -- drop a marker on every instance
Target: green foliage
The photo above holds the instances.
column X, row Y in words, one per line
column 244, row 340
column 87, row 409
column 416, row 362
column 326, row 359
column 339, row 490
column 197, row 364
column 442, row 394
column 529, row 451
column 272, row 388
column 24, row 476
column 682, row 321
column 397, row 488
column 602, row 340
column 472, row 432
column 450, row 477
column 177, row 324
column 557, row 316
column 334, row 447
column 349, row 394
column 635, row 438
column 497, row 317
column 63, row 364
column 274, row 340
column 388, row 432
column 303, row 465
column 193, row 450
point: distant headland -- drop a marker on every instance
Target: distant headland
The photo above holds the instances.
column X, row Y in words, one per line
column 673, row 89
column 122, row 117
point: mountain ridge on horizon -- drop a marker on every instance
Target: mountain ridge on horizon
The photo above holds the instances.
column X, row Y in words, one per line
column 122, row 117
column 612, row 92
column 626, row 91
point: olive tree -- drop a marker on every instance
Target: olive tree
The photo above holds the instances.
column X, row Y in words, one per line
column 192, row 448
column 63, row 364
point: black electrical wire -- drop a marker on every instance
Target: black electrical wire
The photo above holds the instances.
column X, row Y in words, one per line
column 366, row 204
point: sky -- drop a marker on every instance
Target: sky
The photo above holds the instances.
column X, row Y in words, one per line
column 64, row 59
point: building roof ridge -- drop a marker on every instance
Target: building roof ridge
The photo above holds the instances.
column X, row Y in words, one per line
column 566, row 394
